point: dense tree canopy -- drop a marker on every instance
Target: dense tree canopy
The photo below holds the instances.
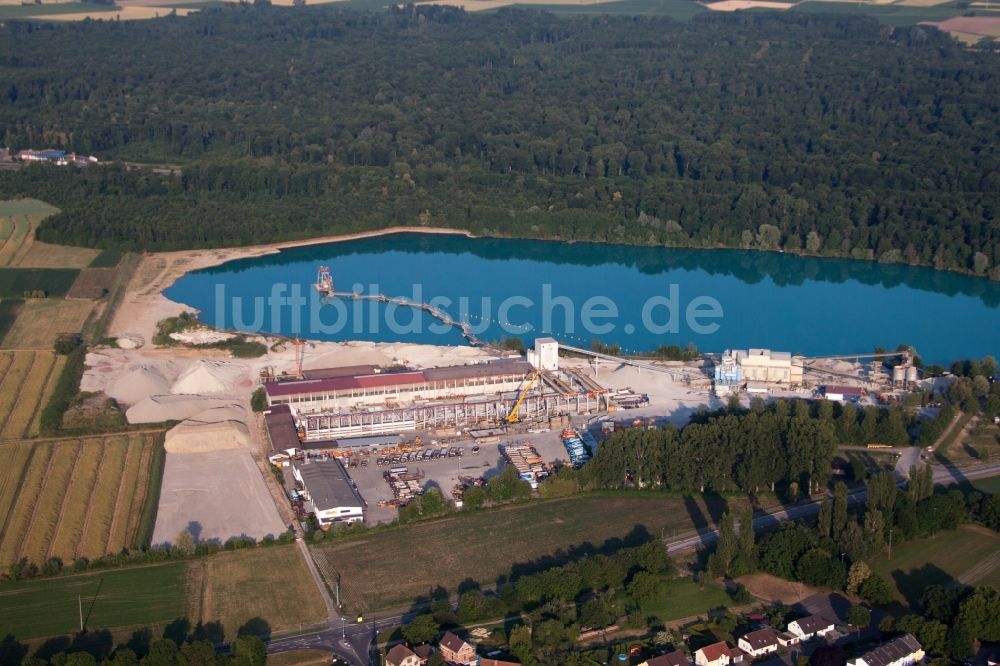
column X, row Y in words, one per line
column 783, row 443
column 826, row 135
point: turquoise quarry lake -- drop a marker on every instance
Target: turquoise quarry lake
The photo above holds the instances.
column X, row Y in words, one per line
column 637, row 297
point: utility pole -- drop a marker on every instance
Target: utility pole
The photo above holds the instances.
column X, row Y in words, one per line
column 79, row 601
column 890, row 543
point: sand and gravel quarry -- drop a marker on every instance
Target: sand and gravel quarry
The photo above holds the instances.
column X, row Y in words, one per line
column 211, row 485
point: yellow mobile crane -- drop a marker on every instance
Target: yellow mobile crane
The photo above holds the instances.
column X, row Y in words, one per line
column 512, row 417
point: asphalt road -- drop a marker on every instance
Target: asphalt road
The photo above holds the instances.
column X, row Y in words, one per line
column 770, row 520
column 352, row 641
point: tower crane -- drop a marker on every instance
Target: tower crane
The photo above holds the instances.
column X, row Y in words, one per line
column 512, row 416
column 299, row 354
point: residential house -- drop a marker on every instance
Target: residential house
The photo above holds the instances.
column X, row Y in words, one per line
column 901, row 651
column 675, row 658
column 718, row 654
column 424, row 653
column 401, row 656
column 812, row 625
column 760, row 642
column 456, row 651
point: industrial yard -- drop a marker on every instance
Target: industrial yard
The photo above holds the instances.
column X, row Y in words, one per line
column 324, row 399
column 384, row 436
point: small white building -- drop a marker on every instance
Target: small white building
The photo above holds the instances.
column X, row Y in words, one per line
column 760, row 642
column 812, row 625
column 281, row 458
column 545, row 355
column 901, row 651
column 330, row 494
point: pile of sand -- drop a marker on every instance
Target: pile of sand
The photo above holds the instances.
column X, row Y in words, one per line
column 215, row 429
column 130, row 341
column 142, row 382
column 159, row 408
column 126, row 376
column 207, row 377
column 348, row 353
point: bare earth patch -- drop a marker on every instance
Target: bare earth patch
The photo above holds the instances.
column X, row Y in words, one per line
column 123, row 13
column 970, row 29
column 734, row 5
column 776, row 590
column 93, row 283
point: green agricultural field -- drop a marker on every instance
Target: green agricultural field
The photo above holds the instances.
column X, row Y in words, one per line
column 683, row 597
column 22, row 11
column 378, row 571
column 892, row 15
column 53, row 281
column 30, row 207
column 969, row 555
column 150, row 595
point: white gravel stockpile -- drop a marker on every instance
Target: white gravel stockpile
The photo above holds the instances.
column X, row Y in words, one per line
column 127, row 376
column 214, row 429
column 207, row 377
column 144, row 381
column 159, row 408
column 214, row 495
column 211, row 484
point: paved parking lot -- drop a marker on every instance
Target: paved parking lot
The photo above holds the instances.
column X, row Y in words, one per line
column 444, row 473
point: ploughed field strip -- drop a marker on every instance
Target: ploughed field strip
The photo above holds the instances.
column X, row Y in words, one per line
column 72, row 498
column 26, row 380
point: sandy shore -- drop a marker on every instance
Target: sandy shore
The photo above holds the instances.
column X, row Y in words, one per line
column 144, row 304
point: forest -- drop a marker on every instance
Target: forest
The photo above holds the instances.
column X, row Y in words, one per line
column 786, row 446
column 821, row 135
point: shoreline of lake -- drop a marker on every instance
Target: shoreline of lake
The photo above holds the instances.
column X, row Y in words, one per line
column 772, row 299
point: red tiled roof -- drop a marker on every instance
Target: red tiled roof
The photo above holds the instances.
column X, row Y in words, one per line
column 276, row 389
column 452, row 642
column 843, row 390
column 320, row 381
column 675, row 658
column 761, row 638
column 398, row 654
column 715, row 650
column 813, row 623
